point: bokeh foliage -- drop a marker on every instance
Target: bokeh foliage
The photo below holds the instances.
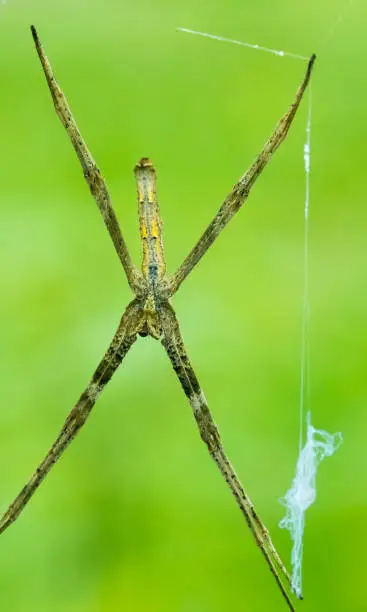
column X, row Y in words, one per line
column 135, row 516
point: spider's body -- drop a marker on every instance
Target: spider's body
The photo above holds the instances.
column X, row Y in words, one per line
column 150, row 312
column 154, row 265
column 153, row 268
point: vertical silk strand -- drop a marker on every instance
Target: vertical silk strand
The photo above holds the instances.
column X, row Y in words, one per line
column 304, row 395
column 316, row 444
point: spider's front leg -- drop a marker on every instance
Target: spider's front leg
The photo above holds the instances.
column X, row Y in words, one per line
column 241, row 190
column 91, row 172
column 123, row 339
column 173, row 343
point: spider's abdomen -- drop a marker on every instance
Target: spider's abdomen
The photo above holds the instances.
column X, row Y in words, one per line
column 153, row 266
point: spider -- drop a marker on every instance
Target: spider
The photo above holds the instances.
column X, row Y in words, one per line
column 150, row 313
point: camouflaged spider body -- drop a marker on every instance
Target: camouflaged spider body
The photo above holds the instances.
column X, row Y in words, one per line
column 151, row 313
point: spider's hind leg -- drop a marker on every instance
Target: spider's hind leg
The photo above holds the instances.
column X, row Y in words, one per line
column 123, row 339
column 173, row 343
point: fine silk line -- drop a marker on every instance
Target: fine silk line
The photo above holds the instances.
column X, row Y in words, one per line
column 244, row 44
column 318, row 443
column 304, row 395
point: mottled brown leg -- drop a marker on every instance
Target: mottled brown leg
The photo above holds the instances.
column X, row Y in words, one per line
column 173, row 343
column 91, row 172
column 241, row 190
column 124, row 337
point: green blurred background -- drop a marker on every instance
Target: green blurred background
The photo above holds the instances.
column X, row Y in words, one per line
column 135, row 516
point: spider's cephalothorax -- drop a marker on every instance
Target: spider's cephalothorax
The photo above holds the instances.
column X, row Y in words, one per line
column 150, row 312
column 151, row 325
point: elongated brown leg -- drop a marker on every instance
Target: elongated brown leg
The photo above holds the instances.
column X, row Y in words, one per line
column 173, row 343
column 91, row 172
column 241, row 190
column 124, row 337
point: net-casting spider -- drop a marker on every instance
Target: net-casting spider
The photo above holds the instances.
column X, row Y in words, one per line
column 151, row 313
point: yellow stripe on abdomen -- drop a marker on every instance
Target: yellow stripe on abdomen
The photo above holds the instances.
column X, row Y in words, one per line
column 153, row 266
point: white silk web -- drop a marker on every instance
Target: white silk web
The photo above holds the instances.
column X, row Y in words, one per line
column 318, row 443
column 302, row 494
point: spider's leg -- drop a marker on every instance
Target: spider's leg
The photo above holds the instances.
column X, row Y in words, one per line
column 173, row 343
column 124, row 337
column 91, row 172
column 240, row 191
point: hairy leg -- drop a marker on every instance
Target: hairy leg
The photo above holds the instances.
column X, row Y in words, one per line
column 124, row 337
column 91, row 172
column 173, row 343
column 241, row 190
